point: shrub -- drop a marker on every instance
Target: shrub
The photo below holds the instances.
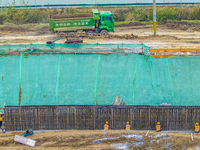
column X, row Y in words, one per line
column 121, row 14
column 3, row 17
column 26, row 15
column 140, row 14
column 195, row 13
column 185, row 12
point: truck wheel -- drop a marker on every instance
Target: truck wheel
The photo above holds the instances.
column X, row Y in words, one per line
column 62, row 34
column 104, row 32
column 71, row 34
column 90, row 34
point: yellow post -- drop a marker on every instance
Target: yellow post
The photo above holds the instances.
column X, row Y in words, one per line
column 154, row 16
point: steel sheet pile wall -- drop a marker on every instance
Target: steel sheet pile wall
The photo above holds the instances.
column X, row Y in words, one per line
column 94, row 117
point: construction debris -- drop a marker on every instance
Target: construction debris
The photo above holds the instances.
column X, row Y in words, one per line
column 147, row 132
column 69, row 39
column 165, row 104
column 51, row 42
column 192, row 137
column 24, row 140
column 28, row 132
column 74, row 40
column 117, row 101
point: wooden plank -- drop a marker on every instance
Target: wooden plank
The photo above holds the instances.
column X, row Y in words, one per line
column 24, row 140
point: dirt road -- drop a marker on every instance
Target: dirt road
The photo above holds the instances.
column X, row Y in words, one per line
column 169, row 34
column 113, row 139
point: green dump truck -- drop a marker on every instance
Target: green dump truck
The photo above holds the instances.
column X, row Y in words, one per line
column 99, row 22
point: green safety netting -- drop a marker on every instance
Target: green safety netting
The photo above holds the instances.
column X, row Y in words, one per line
column 69, row 48
column 96, row 79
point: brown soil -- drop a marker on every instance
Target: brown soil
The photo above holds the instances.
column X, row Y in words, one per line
column 176, row 25
column 129, row 24
column 169, row 33
column 12, row 29
column 179, row 25
column 132, row 37
column 74, row 139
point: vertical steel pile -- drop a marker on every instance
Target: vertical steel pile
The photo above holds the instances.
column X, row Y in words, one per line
column 94, row 117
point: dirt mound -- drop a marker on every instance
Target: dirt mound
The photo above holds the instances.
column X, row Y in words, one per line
column 37, row 31
column 125, row 36
column 157, row 37
column 12, row 29
column 45, row 28
column 41, row 31
column 181, row 25
column 132, row 36
column 129, row 24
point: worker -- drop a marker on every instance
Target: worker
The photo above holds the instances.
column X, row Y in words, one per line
column 106, row 126
column 96, row 22
column 1, row 120
column 196, row 128
column 158, row 128
column 127, row 126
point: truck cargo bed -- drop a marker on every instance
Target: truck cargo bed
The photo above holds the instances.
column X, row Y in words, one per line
column 68, row 16
column 72, row 24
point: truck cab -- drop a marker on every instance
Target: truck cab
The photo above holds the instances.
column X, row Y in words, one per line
column 104, row 22
column 107, row 21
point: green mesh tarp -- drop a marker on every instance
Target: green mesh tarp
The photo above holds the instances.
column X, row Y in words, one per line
column 74, row 48
column 97, row 78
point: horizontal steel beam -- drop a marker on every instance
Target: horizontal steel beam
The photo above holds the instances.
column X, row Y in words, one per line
column 99, row 106
column 100, row 5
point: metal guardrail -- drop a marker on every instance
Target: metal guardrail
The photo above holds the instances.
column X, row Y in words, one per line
column 174, row 51
column 100, row 5
column 37, row 49
column 93, row 117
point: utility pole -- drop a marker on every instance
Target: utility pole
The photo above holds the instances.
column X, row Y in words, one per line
column 154, row 16
column 35, row 4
